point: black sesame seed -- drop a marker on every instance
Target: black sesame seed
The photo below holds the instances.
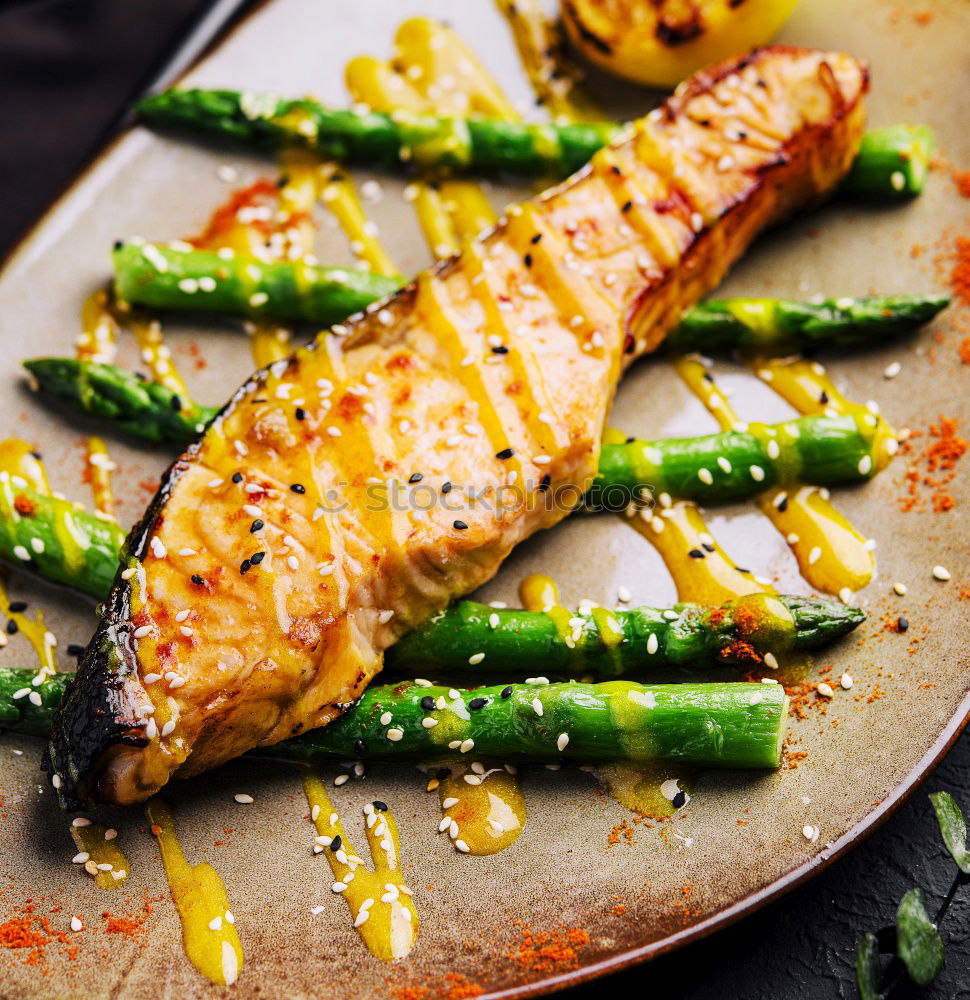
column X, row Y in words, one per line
column 708, row 377
column 17, row 606
column 476, row 703
column 783, row 504
column 630, row 439
column 442, row 773
column 12, row 627
column 446, row 487
column 707, row 546
column 427, row 703
column 902, row 624
column 535, row 239
column 176, row 402
column 335, row 843
column 824, row 398
column 237, row 477
column 415, row 477
column 197, row 580
column 507, row 692
column 300, row 413
column 380, row 806
column 244, row 566
column 255, row 526
column 37, row 455
column 679, row 800
column 627, row 205
column 616, row 170
column 696, row 554
column 741, row 569
column 257, row 557
column 118, row 244
column 504, row 454
column 544, row 483
column 460, row 525
column 297, row 488
column 501, row 349
column 359, row 748
column 74, row 649
column 527, row 260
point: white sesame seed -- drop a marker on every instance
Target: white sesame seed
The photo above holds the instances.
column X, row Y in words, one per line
column 537, row 706
column 476, row 658
column 395, row 734
column 941, row 573
column 705, row 476
column 151, row 730
column 386, row 719
column 846, row 681
column 898, row 180
column 105, row 867
column 892, row 370
column 79, row 859
column 243, row 798
column 338, row 887
column 472, row 779
column 773, row 449
column 466, row 745
column 825, row 690
column 80, row 821
column 21, row 553
column 757, row 473
column 771, row 661
column 810, row 833
column 384, row 617
column 428, row 722
column 846, row 596
column 168, row 728
column 460, row 845
column 76, row 924
column 865, row 465
column 653, row 643
column 814, row 555
column 444, row 824
column 562, row 742
column 185, row 630
column 756, row 699
column 900, row 588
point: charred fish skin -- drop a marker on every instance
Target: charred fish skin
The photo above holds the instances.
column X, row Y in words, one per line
column 580, row 281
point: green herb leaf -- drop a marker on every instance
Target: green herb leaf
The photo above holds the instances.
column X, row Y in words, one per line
column 868, row 970
column 917, row 942
column 953, row 828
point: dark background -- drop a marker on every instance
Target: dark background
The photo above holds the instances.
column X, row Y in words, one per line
column 67, row 71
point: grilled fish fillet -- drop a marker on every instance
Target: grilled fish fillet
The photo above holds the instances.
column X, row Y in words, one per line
column 282, row 554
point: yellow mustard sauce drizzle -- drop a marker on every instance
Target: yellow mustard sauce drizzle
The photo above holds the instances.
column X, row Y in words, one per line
column 555, row 79
column 539, row 592
column 649, row 788
column 482, row 806
column 831, row 554
column 100, row 467
column 99, row 853
column 434, row 72
column 678, row 529
column 154, row 351
column 98, row 339
column 340, row 196
column 208, row 927
column 20, row 466
column 380, row 901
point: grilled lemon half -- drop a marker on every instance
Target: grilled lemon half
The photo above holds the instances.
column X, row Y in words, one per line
column 659, row 42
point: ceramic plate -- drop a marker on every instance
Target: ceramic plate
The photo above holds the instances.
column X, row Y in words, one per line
column 606, row 890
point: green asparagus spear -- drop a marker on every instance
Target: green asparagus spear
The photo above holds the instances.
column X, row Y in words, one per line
column 145, row 409
column 731, row 465
column 894, row 160
column 712, row 725
column 605, row 643
column 482, row 145
column 25, row 705
column 780, row 326
column 59, row 539
column 153, row 274
column 379, row 139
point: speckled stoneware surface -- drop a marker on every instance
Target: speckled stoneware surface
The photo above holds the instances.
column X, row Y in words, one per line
column 741, row 834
